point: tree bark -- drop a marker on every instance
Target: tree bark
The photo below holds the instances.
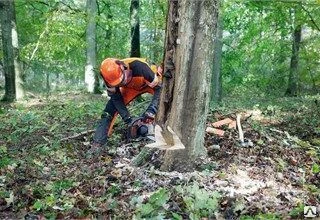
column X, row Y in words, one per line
column 108, row 32
column 135, row 29
column 11, row 63
column 48, row 87
column 184, row 103
column 91, row 77
column 216, row 91
column 294, row 63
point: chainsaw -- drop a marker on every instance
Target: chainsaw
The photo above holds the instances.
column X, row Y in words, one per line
column 140, row 128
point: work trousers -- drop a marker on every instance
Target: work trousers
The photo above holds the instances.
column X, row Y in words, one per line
column 101, row 133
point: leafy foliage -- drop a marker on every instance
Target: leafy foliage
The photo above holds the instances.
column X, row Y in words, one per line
column 199, row 202
column 153, row 208
column 258, row 42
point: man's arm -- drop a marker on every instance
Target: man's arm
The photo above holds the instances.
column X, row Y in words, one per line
column 117, row 100
column 153, row 107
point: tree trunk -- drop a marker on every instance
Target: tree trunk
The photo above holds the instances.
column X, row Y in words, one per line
column 108, row 33
column 184, row 100
column 91, row 78
column 277, row 78
column 48, row 87
column 135, row 29
column 282, row 56
column 216, row 91
column 294, row 68
column 19, row 78
column 11, row 64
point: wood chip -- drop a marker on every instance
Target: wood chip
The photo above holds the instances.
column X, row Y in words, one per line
column 222, row 122
column 232, row 125
column 216, row 131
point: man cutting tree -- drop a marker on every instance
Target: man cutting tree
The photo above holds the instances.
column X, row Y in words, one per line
column 125, row 79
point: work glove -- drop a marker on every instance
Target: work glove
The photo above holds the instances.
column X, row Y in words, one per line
column 148, row 116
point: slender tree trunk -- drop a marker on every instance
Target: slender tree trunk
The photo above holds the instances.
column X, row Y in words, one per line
column 135, row 29
column 48, row 88
column 11, row 63
column 216, row 91
column 314, row 86
column 109, row 30
column 185, row 97
column 294, row 63
column 277, row 79
column 57, row 80
column 19, row 81
column 282, row 56
column 153, row 36
column 91, row 77
column 294, row 68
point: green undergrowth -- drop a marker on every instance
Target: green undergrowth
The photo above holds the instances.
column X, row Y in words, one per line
column 48, row 177
column 41, row 173
column 51, row 119
column 181, row 202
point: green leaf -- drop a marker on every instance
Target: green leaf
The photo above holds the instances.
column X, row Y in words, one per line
column 5, row 161
column 160, row 197
column 245, row 217
column 3, row 149
column 176, row 216
column 38, row 205
column 10, row 199
column 60, row 185
column 315, row 168
column 50, row 200
column 179, row 189
column 114, row 190
column 297, row 211
column 146, row 209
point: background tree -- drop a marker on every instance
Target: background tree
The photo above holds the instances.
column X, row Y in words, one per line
column 135, row 28
column 256, row 55
column 294, row 63
column 53, row 46
column 53, row 38
column 184, row 101
column 216, row 83
column 91, row 77
column 11, row 64
column 152, row 21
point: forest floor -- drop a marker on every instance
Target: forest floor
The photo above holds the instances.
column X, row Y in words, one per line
column 44, row 176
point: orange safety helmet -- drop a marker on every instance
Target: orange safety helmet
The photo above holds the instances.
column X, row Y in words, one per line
column 111, row 72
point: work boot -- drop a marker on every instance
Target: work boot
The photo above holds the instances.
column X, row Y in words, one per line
column 95, row 151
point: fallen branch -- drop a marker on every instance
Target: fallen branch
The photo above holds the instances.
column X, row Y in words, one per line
column 77, row 135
